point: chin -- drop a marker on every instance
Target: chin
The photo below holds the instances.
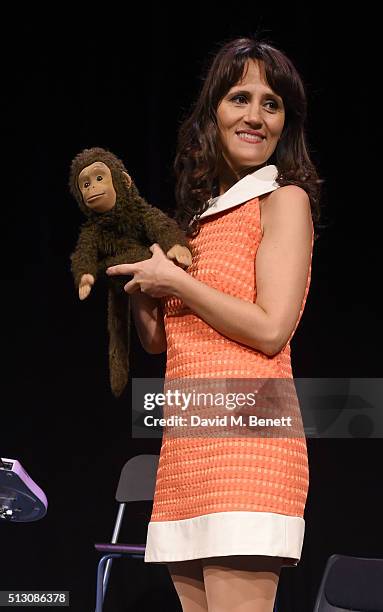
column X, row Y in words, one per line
column 251, row 163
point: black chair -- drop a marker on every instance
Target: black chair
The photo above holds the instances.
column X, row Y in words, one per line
column 351, row 583
column 137, row 482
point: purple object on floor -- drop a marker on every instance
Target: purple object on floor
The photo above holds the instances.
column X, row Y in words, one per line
column 21, row 500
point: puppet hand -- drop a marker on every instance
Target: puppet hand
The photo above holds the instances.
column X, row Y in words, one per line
column 155, row 276
column 180, row 255
column 86, row 282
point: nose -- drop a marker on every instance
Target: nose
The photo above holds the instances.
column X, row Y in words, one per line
column 253, row 113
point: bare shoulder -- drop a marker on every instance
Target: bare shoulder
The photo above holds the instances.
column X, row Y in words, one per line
column 285, row 202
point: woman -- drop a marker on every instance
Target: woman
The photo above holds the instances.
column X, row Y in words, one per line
column 228, row 511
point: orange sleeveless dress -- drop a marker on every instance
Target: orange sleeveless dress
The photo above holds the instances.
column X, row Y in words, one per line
column 233, row 495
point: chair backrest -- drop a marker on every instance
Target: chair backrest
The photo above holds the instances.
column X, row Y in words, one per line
column 351, row 583
column 138, row 479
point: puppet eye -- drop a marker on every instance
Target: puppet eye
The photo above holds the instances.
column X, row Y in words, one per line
column 99, row 177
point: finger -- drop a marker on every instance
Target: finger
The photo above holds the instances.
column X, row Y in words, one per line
column 122, row 269
column 156, row 248
column 132, row 286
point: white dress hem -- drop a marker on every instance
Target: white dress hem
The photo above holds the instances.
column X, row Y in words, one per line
column 226, row 533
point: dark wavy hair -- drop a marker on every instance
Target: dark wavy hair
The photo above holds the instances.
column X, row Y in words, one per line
column 198, row 152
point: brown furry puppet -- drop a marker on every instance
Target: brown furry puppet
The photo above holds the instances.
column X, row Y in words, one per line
column 120, row 228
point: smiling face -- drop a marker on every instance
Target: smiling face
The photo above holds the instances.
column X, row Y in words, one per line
column 96, row 185
column 250, row 120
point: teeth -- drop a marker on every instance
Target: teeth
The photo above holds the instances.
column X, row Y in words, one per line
column 254, row 137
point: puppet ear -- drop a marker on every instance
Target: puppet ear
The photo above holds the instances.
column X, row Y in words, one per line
column 127, row 179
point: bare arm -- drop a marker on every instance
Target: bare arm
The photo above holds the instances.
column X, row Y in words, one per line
column 283, row 260
column 282, row 264
column 148, row 319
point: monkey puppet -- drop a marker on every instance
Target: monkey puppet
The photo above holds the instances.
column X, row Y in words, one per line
column 120, row 228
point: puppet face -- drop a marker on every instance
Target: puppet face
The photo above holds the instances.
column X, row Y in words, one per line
column 96, row 185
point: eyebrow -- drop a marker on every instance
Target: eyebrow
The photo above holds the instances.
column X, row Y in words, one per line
column 246, row 91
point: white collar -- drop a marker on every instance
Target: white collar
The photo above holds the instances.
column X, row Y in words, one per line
column 250, row 186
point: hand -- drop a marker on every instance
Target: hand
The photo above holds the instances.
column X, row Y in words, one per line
column 155, row 276
column 85, row 286
column 180, row 255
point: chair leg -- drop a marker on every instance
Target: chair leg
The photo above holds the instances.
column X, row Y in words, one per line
column 100, row 578
column 276, row 604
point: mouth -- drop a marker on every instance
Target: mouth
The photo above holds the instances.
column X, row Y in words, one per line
column 253, row 138
column 95, row 196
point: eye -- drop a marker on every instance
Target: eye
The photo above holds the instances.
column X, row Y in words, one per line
column 240, row 98
column 86, row 184
column 99, row 177
column 273, row 103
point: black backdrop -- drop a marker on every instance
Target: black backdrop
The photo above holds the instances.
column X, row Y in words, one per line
column 114, row 78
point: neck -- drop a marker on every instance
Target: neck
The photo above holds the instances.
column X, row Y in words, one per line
column 228, row 177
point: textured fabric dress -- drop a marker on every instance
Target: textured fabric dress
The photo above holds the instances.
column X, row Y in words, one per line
column 234, row 495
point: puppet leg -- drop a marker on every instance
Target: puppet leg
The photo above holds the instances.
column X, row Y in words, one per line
column 119, row 340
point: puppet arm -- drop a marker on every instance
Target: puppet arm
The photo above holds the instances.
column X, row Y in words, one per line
column 160, row 228
column 84, row 260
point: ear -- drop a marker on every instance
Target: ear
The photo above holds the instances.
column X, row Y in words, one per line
column 127, row 179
